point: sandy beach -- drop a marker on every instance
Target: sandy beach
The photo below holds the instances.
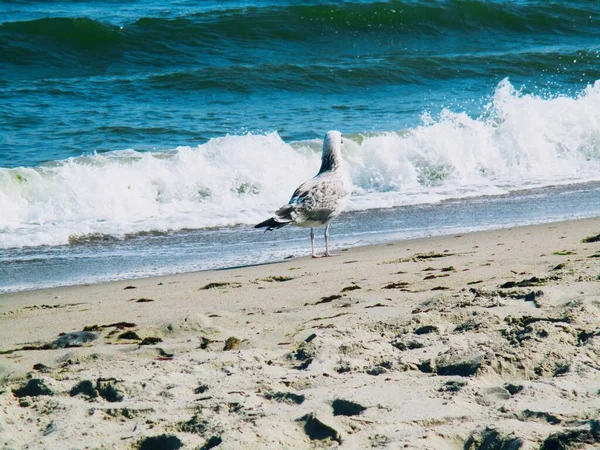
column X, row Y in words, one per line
column 489, row 340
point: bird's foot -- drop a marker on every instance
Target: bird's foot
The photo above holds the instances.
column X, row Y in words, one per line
column 325, row 255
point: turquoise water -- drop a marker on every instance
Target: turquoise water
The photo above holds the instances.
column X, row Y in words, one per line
column 123, row 120
column 79, row 77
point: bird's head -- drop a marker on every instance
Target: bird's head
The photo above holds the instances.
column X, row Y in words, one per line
column 333, row 141
column 331, row 158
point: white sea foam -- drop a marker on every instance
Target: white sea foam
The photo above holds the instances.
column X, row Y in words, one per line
column 522, row 141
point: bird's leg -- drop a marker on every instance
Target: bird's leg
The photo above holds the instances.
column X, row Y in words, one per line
column 312, row 243
column 327, row 242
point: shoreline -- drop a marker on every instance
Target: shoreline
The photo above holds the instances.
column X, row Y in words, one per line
column 192, row 251
column 338, row 252
column 440, row 341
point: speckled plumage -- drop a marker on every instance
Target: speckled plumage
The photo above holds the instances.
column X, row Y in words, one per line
column 321, row 199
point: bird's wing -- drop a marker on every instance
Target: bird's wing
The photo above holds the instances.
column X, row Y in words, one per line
column 302, row 192
column 318, row 198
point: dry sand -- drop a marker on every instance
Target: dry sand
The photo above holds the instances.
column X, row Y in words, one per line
column 488, row 340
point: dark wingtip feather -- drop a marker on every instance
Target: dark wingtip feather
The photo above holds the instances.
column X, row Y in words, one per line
column 271, row 224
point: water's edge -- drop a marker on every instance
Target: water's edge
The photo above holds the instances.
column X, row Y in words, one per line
column 220, row 248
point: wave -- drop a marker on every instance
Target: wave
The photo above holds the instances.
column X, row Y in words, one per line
column 82, row 32
column 326, row 77
column 55, row 40
column 522, row 141
column 415, row 70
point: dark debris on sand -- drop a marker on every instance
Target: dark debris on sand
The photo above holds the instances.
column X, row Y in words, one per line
column 74, row 339
column 231, row 343
column 212, row 442
column 574, row 438
column 315, row 429
column 129, row 334
column 343, row 407
column 591, row 239
column 107, row 388
column 533, row 281
column 160, row 442
column 285, row 397
column 151, row 340
column 491, row 439
column 33, row 388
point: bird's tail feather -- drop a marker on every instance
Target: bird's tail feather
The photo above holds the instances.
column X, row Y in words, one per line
column 272, row 224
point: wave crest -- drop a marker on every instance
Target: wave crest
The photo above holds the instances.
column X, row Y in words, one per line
column 50, row 39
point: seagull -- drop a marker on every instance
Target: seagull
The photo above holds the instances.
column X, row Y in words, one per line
column 319, row 200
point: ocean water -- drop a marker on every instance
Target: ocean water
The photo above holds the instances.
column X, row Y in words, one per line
column 141, row 138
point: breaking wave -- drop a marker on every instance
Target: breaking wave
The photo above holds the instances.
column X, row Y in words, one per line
column 522, row 141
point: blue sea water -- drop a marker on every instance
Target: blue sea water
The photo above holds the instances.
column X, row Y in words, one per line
column 146, row 137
